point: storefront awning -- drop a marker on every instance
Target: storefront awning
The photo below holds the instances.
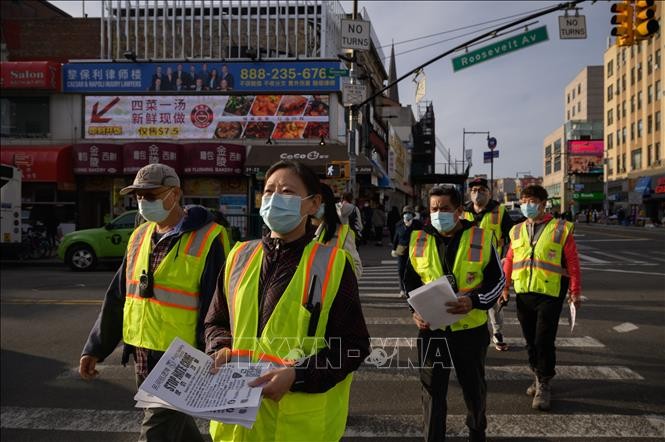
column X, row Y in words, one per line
column 46, row 164
column 643, row 186
column 260, row 158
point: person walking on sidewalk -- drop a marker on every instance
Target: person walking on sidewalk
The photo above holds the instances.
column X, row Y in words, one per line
column 161, row 291
column 543, row 264
column 379, row 222
column 491, row 216
column 401, row 239
column 454, row 247
column 349, row 214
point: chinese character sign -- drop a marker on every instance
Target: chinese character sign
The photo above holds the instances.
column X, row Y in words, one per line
column 97, row 159
column 213, row 158
column 137, row 155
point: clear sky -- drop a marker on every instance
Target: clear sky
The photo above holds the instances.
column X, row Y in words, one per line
column 518, row 97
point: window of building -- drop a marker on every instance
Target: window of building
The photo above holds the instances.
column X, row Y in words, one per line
column 649, row 64
column 649, row 124
column 610, row 68
column 548, row 167
column 568, row 98
column 656, row 152
column 610, row 117
column 573, row 93
column 579, row 106
column 636, row 159
column 639, row 128
column 649, row 147
column 623, row 162
column 573, row 111
column 623, row 56
column 618, row 161
column 610, row 91
column 548, row 151
column 557, row 164
column 618, row 113
column 649, row 94
column 568, row 115
column 579, row 89
column 557, row 147
column 623, row 83
column 657, row 121
column 632, row 131
column 623, row 108
column 610, row 142
column 632, row 74
column 657, row 59
column 24, row 117
column 659, row 92
column 639, row 71
column 639, row 100
column 619, row 137
column 623, row 135
column 632, row 103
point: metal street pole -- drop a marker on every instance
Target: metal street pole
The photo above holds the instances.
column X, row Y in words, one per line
column 464, row 134
column 353, row 119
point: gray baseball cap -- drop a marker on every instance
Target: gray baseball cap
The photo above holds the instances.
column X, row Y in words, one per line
column 153, row 176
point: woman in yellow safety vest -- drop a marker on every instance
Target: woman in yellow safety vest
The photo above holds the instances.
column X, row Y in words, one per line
column 292, row 301
column 332, row 232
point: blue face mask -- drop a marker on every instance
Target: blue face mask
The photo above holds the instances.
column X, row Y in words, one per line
column 443, row 221
column 319, row 213
column 154, row 210
column 280, row 212
column 408, row 217
column 530, row 210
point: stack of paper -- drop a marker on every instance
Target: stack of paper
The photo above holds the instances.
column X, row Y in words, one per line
column 182, row 381
column 429, row 301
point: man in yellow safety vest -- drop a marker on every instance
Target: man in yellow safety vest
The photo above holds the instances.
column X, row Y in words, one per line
column 454, row 247
column 161, row 291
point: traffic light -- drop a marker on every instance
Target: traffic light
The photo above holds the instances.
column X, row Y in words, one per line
column 623, row 18
column 333, row 170
column 646, row 24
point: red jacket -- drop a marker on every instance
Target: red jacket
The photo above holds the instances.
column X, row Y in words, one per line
column 570, row 260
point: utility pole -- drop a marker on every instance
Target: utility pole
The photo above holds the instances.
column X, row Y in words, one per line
column 353, row 119
column 464, row 134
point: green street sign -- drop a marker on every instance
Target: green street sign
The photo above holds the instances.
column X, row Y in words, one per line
column 588, row 196
column 337, row 72
column 500, row 48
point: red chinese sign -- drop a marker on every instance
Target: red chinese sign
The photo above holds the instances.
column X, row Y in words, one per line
column 30, row 75
column 660, row 186
column 97, row 159
column 213, row 158
column 137, row 155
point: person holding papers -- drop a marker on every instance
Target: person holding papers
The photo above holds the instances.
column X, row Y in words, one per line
column 543, row 264
column 292, row 301
column 453, row 247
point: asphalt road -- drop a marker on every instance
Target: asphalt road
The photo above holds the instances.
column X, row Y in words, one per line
column 610, row 383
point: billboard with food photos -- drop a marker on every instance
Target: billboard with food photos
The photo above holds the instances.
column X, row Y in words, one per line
column 585, row 156
column 215, row 117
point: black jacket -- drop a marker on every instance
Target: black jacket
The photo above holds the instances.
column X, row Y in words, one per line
column 494, row 280
column 403, row 232
column 506, row 223
column 106, row 333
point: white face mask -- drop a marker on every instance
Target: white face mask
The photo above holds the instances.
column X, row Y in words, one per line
column 154, row 210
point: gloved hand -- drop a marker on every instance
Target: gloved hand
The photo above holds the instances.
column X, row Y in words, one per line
column 393, row 253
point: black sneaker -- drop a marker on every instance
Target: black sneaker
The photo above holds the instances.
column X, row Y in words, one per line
column 497, row 339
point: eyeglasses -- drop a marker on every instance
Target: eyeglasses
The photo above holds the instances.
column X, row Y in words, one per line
column 151, row 196
column 479, row 190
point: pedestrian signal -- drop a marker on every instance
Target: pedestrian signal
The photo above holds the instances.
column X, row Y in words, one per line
column 623, row 18
column 646, row 24
column 333, row 170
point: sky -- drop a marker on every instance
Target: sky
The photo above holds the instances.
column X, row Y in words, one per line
column 518, row 97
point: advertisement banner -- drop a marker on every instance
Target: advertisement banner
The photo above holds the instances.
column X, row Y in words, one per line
column 586, row 147
column 585, row 156
column 97, row 159
column 30, row 75
column 137, row 155
column 208, row 116
column 213, row 158
column 222, row 77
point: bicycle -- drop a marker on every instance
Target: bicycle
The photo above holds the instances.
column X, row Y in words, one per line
column 34, row 244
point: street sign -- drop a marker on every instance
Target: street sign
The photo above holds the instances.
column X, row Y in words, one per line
column 487, row 156
column 353, row 93
column 468, row 154
column 491, row 143
column 572, row 27
column 355, row 34
column 333, row 170
column 337, row 72
column 501, row 47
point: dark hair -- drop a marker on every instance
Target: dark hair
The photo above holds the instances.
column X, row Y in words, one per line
column 449, row 191
column 330, row 218
column 307, row 175
column 534, row 191
column 348, row 197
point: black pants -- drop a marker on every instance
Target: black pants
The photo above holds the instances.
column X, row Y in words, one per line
column 465, row 350
column 401, row 268
column 539, row 317
column 165, row 425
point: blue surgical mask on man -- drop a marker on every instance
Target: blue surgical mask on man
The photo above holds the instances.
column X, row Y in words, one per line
column 530, row 210
column 154, row 210
column 280, row 212
column 443, row 221
column 408, row 217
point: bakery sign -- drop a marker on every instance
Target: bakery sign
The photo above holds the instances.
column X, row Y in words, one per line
column 214, row 117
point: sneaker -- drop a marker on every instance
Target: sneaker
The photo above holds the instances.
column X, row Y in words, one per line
column 497, row 339
column 541, row 400
column 402, row 294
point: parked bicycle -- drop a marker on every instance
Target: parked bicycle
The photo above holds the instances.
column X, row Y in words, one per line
column 35, row 244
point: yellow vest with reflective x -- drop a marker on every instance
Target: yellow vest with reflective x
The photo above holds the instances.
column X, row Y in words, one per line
column 538, row 269
column 173, row 310
column 286, row 338
column 491, row 222
column 338, row 241
column 472, row 256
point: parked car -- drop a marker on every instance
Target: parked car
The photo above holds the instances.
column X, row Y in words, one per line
column 82, row 250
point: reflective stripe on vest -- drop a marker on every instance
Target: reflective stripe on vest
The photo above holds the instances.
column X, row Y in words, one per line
column 421, row 241
column 195, row 244
column 166, row 296
column 476, row 246
column 243, row 255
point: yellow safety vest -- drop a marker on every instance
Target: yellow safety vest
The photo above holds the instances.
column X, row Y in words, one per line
column 491, row 221
column 472, row 256
column 152, row 323
column 297, row 416
column 538, row 269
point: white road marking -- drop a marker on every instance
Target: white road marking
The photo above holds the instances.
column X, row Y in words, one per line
column 391, row 305
column 625, row 327
column 381, row 295
column 410, row 342
column 392, row 320
column 613, row 426
column 620, row 258
column 613, row 240
column 622, row 271
column 390, row 261
column 591, row 259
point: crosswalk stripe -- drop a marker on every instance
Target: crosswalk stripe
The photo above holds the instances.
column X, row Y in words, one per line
column 389, row 261
column 390, row 320
column 366, row 426
column 386, row 305
column 591, row 259
column 410, row 342
column 635, row 272
column 620, row 258
column 381, row 295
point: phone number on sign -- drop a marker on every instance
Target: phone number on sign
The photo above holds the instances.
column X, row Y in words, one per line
column 158, row 131
column 282, row 73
